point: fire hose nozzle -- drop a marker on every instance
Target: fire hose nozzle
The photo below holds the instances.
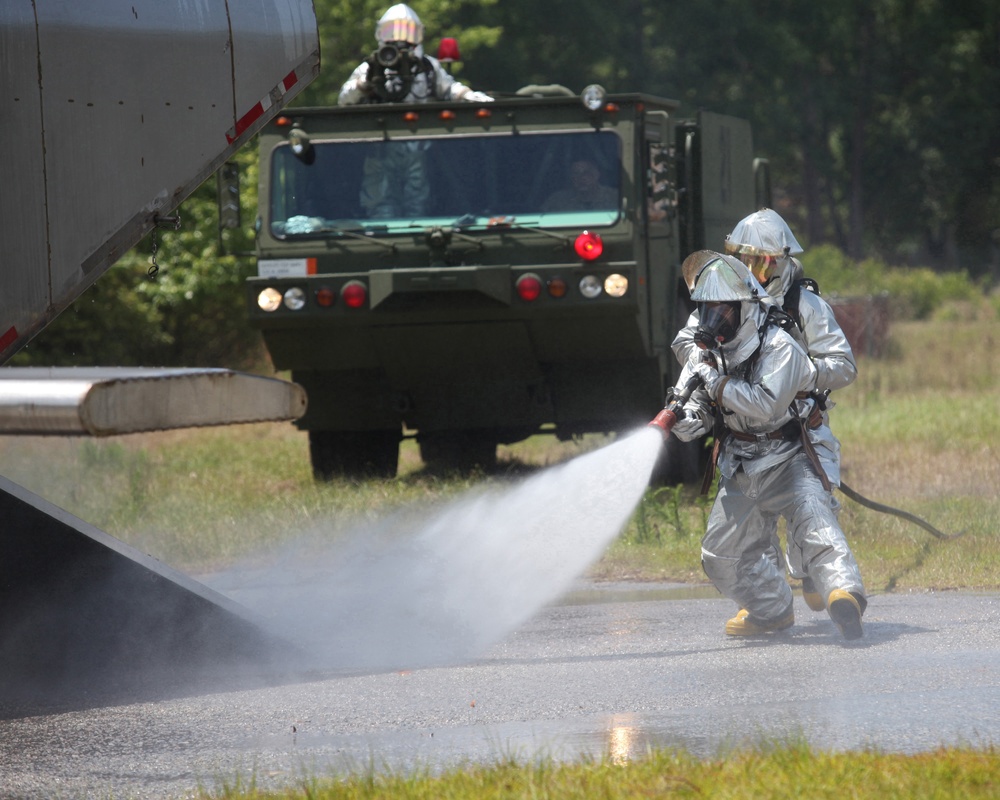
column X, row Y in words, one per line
column 664, row 421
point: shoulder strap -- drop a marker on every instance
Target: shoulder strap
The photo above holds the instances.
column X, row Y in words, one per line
column 791, row 301
column 428, row 69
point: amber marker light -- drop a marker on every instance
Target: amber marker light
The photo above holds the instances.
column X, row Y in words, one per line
column 557, row 287
column 325, row 297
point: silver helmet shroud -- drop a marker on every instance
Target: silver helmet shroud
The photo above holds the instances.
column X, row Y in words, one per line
column 725, row 279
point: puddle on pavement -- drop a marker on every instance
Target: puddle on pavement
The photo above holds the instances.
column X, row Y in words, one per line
column 637, row 593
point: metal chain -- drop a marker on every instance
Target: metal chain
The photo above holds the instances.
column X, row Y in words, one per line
column 154, row 268
column 173, row 223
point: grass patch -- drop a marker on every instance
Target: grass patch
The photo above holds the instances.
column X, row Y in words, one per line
column 919, row 431
column 786, row 771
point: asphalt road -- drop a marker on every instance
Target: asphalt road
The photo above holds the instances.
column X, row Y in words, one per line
column 609, row 670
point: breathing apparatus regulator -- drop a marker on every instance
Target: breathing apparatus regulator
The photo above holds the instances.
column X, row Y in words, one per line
column 718, row 323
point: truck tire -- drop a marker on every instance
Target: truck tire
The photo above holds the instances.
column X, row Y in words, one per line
column 458, row 451
column 354, row 454
column 680, row 462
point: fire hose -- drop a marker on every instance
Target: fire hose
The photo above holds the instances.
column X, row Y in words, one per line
column 884, row 509
column 674, row 411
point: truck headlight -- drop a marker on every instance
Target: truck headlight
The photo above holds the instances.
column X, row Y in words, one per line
column 616, row 285
column 269, row 299
column 295, row 299
column 590, row 286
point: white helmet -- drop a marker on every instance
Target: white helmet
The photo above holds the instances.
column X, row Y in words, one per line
column 399, row 24
column 763, row 233
column 732, row 305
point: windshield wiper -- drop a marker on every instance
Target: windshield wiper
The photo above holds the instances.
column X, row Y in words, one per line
column 511, row 224
column 353, row 233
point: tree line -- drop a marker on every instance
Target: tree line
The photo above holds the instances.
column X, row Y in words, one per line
column 881, row 118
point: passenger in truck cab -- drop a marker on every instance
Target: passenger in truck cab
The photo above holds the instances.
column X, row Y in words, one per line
column 584, row 192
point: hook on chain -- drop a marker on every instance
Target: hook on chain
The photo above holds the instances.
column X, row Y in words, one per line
column 171, row 223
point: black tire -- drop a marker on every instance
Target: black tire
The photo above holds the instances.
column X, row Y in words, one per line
column 458, row 451
column 680, row 462
column 354, row 455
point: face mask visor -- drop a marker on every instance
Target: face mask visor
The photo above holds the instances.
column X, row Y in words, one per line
column 400, row 30
column 718, row 323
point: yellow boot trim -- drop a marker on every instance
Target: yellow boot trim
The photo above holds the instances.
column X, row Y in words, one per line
column 742, row 625
column 813, row 598
column 845, row 611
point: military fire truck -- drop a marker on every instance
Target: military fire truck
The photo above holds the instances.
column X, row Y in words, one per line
column 446, row 271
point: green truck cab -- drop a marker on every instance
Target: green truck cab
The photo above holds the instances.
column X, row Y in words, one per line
column 443, row 270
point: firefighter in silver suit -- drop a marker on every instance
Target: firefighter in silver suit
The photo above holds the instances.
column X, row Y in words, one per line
column 777, row 456
column 764, row 242
column 409, row 75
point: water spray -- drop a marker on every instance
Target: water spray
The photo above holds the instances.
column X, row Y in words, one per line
column 431, row 585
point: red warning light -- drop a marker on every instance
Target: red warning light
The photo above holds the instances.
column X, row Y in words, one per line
column 588, row 246
column 354, row 293
column 529, row 287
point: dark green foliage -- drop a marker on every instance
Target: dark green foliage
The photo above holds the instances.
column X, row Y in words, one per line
column 192, row 314
column 880, row 118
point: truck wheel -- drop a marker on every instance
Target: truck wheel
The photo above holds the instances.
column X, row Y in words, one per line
column 354, row 454
column 458, row 451
column 680, row 462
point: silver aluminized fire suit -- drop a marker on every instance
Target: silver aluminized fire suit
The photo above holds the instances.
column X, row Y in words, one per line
column 765, row 234
column 400, row 26
column 760, row 376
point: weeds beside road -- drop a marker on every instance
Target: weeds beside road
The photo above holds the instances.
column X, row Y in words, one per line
column 919, row 431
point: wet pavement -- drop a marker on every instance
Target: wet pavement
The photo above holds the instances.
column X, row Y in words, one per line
column 610, row 670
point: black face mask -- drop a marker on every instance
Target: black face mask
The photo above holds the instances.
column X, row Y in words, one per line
column 718, row 324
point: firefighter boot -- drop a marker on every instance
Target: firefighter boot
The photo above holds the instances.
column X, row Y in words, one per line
column 845, row 611
column 813, row 598
column 745, row 625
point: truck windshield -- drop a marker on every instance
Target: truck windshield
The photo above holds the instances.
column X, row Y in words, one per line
column 537, row 179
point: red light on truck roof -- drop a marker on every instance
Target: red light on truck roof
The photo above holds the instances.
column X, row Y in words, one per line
column 588, row 246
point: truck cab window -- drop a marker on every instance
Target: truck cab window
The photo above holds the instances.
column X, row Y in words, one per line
column 545, row 179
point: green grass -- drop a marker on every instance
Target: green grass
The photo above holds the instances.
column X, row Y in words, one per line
column 919, row 431
column 786, row 771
